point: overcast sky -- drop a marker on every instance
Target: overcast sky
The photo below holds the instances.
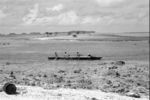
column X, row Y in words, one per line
column 64, row 15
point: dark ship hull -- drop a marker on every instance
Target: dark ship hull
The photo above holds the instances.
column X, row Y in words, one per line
column 75, row 58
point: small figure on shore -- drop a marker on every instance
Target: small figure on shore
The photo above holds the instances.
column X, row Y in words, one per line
column 12, row 75
column 56, row 55
column 90, row 55
column 78, row 54
column 66, row 55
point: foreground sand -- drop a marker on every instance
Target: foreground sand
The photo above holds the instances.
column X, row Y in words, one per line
column 37, row 93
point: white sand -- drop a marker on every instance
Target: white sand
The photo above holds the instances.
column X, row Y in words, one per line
column 37, row 93
column 56, row 38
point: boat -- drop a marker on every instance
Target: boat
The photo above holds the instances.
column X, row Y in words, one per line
column 75, row 58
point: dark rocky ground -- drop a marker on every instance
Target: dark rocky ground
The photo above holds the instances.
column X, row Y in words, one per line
column 117, row 77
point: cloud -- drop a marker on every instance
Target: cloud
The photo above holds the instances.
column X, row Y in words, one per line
column 97, row 20
column 68, row 18
column 103, row 16
column 90, row 20
column 2, row 15
column 58, row 7
column 64, row 13
column 43, row 21
column 28, row 19
column 108, row 2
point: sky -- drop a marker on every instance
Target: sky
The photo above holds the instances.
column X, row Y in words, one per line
column 64, row 15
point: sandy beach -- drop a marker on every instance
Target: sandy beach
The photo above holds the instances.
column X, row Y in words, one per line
column 37, row 93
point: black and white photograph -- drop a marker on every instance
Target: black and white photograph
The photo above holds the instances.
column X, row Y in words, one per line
column 74, row 50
